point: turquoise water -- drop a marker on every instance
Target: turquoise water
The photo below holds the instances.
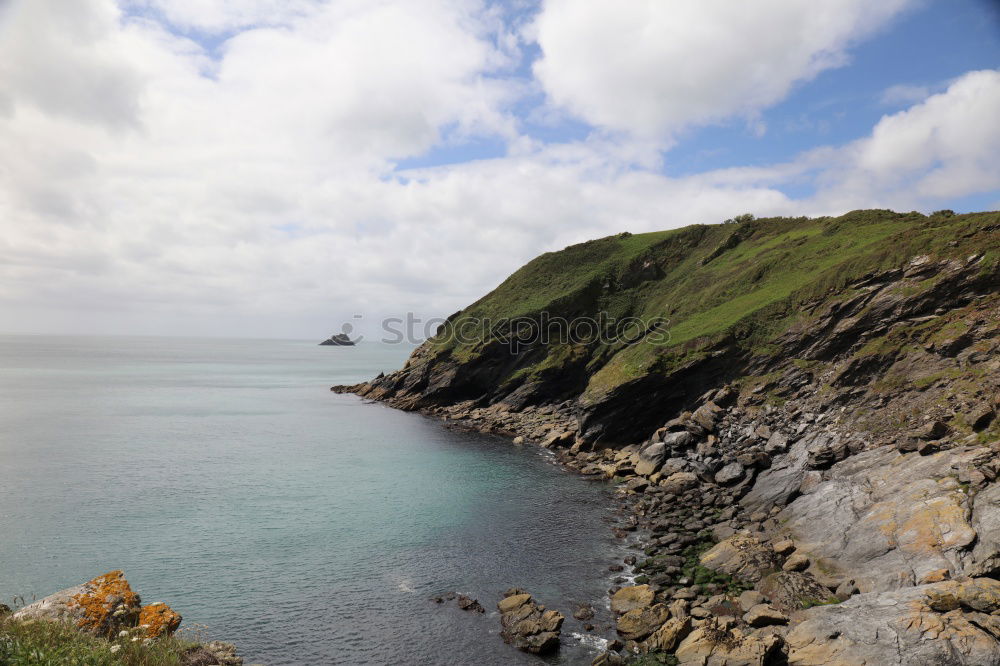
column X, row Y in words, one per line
column 307, row 527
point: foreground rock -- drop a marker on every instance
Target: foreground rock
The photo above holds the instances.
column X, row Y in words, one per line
column 100, row 607
column 159, row 620
column 527, row 625
column 107, row 607
column 714, row 645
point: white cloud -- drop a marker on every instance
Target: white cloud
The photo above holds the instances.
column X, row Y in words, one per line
column 653, row 67
column 254, row 193
column 945, row 146
column 903, row 94
column 214, row 16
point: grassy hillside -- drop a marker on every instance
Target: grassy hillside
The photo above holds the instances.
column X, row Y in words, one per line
column 738, row 284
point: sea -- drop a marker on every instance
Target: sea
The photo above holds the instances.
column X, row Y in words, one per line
column 227, row 480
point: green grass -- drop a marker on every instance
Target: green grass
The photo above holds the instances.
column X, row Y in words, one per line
column 809, row 602
column 42, row 643
column 734, row 284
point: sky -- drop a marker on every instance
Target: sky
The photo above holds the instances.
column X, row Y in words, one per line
column 276, row 168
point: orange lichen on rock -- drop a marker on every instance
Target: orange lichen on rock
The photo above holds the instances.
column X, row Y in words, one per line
column 159, row 619
column 105, row 604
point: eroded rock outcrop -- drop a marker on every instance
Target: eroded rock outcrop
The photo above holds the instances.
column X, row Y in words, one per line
column 527, row 625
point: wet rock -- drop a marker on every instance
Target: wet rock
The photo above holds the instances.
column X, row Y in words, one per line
column 469, row 604
column 564, row 438
column 632, row 598
column 584, row 612
column 528, row 626
column 608, row 658
column 100, row 607
column 948, row 624
column 159, row 620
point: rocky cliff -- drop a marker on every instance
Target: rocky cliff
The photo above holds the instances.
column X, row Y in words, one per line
column 800, row 414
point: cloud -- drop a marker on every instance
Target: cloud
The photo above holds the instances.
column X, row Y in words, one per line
column 903, row 94
column 652, row 68
column 943, row 147
column 62, row 57
column 216, row 16
column 250, row 188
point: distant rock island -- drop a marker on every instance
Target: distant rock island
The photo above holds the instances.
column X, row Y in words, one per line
column 338, row 340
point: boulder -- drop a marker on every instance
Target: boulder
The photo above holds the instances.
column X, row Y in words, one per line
column 743, row 556
column 713, row 645
column 668, row 636
column 776, row 443
column 763, row 615
column 796, row 562
column 946, row 624
column 776, row 485
column 528, row 626
column 678, row 440
column 631, row 598
column 792, row 590
column 707, row 416
column 749, row 599
column 158, row 619
column 676, row 484
column 729, row 474
column 651, row 458
column 100, row 607
column 637, row 624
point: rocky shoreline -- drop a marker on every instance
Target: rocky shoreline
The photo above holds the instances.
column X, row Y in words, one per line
column 832, row 504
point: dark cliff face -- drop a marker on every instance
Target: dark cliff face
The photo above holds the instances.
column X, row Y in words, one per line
column 865, row 296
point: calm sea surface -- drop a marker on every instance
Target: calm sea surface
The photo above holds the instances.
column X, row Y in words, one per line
column 308, row 528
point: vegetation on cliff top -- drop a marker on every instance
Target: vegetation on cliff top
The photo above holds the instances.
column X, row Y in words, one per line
column 741, row 283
